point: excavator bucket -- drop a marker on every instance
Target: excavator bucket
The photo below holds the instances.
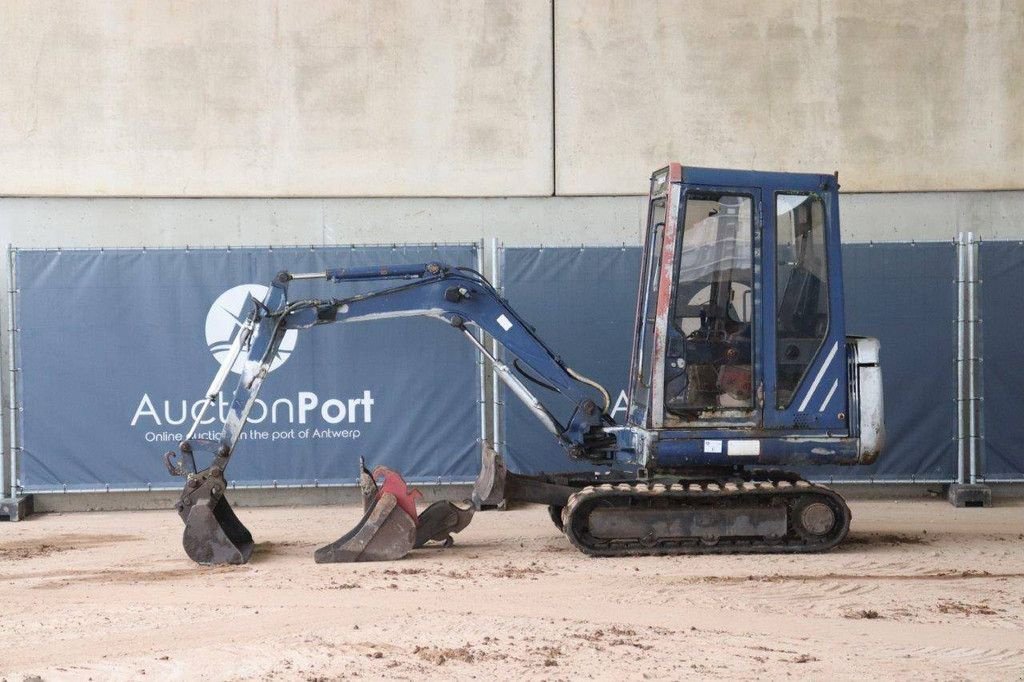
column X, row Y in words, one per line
column 438, row 521
column 214, row 535
column 387, row 530
column 385, row 533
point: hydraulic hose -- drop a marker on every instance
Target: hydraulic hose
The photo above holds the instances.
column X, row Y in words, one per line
column 593, row 384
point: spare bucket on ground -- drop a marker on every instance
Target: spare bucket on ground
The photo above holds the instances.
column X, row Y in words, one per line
column 387, row 530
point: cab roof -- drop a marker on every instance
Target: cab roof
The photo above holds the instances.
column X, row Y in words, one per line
column 727, row 177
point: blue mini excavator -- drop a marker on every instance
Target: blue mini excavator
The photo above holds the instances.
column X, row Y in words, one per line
column 741, row 368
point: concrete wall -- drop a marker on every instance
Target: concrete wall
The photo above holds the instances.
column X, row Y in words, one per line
column 167, row 98
column 524, row 221
column 910, row 95
column 455, row 97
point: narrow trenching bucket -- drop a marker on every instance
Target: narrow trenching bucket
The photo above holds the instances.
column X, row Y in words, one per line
column 214, row 535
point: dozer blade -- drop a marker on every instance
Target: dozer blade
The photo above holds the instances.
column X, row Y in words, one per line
column 489, row 489
column 438, row 521
column 214, row 535
column 385, row 533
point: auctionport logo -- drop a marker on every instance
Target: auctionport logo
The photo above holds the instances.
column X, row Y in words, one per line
column 304, row 415
column 225, row 318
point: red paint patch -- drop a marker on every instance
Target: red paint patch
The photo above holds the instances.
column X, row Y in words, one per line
column 396, row 485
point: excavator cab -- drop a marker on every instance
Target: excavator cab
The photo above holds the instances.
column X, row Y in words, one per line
column 740, row 354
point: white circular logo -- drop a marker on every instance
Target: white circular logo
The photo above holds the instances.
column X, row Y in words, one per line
column 226, row 316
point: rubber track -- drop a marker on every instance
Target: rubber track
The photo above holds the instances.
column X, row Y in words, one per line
column 795, row 494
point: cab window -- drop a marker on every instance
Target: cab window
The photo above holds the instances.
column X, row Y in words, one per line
column 708, row 363
column 656, row 231
column 801, row 277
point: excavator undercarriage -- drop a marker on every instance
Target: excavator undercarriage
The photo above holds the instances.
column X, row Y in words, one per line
column 715, row 513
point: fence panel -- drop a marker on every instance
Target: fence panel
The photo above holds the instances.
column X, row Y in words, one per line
column 905, row 295
column 1002, row 325
column 116, row 346
column 582, row 302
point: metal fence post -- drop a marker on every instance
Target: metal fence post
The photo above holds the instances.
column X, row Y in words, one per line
column 481, row 361
column 496, row 402
column 977, row 362
column 12, row 322
column 961, row 390
column 13, row 505
column 967, row 492
column 972, row 362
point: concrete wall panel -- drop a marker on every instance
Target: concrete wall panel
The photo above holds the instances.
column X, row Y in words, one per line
column 913, row 95
column 141, row 98
column 107, row 222
column 517, row 221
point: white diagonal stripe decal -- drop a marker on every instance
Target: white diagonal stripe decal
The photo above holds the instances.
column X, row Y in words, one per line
column 817, row 379
column 831, row 391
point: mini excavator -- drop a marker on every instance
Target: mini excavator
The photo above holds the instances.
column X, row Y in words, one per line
column 741, row 369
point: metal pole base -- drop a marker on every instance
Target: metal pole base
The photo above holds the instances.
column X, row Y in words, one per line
column 970, row 495
column 16, row 508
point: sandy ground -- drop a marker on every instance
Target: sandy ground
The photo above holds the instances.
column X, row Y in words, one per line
column 919, row 589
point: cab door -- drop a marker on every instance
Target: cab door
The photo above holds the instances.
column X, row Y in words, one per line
column 643, row 366
column 711, row 364
column 805, row 335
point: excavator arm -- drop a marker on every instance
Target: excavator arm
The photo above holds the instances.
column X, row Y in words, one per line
column 460, row 297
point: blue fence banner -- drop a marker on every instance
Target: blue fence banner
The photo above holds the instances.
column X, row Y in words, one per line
column 116, row 348
column 905, row 296
column 1001, row 265
column 582, row 301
